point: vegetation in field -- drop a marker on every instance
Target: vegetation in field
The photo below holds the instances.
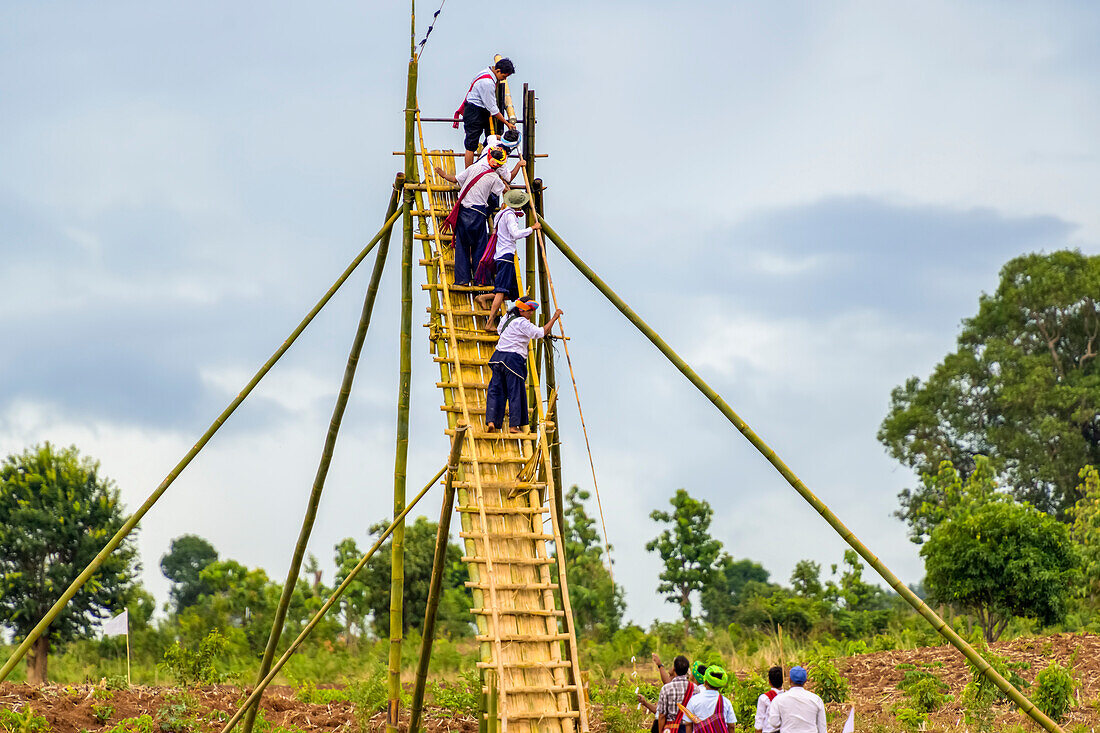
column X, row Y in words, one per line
column 23, row 720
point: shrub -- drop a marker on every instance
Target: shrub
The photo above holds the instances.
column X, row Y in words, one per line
column 102, row 713
column 743, row 695
column 462, row 697
column 910, row 719
column 828, row 682
column 1054, row 689
column 196, row 667
column 370, row 696
column 140, row 724
column 925, row 691
column 24, row 720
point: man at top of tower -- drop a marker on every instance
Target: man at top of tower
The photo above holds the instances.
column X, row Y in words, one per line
column 480, row 105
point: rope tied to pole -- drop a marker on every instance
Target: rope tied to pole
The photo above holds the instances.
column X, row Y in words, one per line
column 431, row 26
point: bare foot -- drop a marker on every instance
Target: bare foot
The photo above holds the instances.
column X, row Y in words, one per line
column 490, row 428
column 516, row 430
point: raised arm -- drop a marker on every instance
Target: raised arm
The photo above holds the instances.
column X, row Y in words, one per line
column 665, row 674
column 445, row 175
column 546, row 332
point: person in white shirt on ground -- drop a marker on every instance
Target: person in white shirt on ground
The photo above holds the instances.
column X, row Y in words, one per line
column 508, row 383
column 480, row 105
column 471, row 232
column 797, row 710
column 502, row 265
column 764, row 702
column 713, row 711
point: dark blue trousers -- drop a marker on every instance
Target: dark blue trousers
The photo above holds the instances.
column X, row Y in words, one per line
column 508, row 384
column 471, row 236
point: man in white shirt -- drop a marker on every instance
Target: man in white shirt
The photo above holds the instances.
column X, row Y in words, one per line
column 501, row 263
column 480, row 105
column 471, row 231
column 764, row 702
column 797, row 710
column 708, row 702
column 508, row 383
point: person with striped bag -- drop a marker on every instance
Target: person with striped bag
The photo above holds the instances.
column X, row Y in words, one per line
column 709, row 711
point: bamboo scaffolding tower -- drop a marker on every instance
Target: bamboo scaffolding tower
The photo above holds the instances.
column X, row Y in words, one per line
column 525, row 629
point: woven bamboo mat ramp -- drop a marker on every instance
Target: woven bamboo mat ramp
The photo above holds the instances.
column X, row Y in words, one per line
column 524, row 620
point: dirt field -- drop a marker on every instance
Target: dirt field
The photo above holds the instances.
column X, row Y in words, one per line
column 873, row 677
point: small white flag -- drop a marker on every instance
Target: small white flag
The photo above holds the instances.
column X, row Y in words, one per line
column 850, row 725
column 117, row 626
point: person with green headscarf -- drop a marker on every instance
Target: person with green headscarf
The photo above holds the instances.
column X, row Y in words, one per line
column 709, row 711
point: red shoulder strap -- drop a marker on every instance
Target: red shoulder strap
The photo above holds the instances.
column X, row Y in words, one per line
column 771, row 694
column 458, row 112
column 683, row 703
column 465, row 190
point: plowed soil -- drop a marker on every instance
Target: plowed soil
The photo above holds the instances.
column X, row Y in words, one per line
column 873, row 679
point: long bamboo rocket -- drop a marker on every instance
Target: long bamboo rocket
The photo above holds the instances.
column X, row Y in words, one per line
column 846, row 534
column 435, row 587
column 336, row 594
column 326, row 453
column 401, row 458
column 142, row 510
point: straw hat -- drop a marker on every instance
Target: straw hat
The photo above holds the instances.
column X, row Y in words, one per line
column 515, row 199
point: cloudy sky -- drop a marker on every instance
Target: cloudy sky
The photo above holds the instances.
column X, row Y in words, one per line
column 804, row 198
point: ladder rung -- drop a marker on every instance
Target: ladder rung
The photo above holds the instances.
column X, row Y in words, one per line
column 512, row 586
column 533, row 715
column 466, row 361
column 497, row 509
column 466, row 334
column 457, row 288
column 482, row 434
column 479, row 312
column 535, row 689
column 510, row 560
column 508, row 536
column 520, row 460
column 517, row 612
column 524, row 664
column 504, row 485
column 532, row 638
column 467, row 384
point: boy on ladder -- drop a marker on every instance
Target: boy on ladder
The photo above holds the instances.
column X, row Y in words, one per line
column 508, row 383
column 499, row 260
column 480, row 105
column 469, row 219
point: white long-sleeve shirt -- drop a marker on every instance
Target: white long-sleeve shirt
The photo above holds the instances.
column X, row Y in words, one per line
column 508, row 232
column 763, row 704
column 478, row 195
column 797, row 711
column 484, row 93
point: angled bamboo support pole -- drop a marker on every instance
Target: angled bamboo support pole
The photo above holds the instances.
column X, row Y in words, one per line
column 336, row 594
column 142, row 510
column 327, row 451
column 401, row 453
column 846, row 534
column 439, row 559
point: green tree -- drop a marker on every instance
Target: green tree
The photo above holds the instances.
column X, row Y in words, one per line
column 419, row 552
column 187, row 557
column 941, row 493
column 687, row 549
column 598, row 603
column 56, row 513
column 1022, row 386
column 806, row 579
column 353, row 604
column 722, row 595
column 997, row 559
column 1086, row 530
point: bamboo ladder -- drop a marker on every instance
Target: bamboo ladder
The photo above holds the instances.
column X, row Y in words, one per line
column 500, row 505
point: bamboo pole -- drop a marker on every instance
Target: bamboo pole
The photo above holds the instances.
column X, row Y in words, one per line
column 552, row 412
column 336, row 594
column 528, row 103
column 401, row 457
column 326, row 453
column 846, row 534
column 439, row 559
column 142, row 510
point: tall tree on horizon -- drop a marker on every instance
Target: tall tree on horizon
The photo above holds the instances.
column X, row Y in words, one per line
column 188, row 555
column 598, row 603
column 1022, row 387
column 56, row 513
column 687, row 549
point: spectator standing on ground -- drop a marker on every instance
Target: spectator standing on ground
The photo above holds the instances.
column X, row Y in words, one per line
column 677, row 691
column 797, row 710
column 764, row 702
column 713, row 710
